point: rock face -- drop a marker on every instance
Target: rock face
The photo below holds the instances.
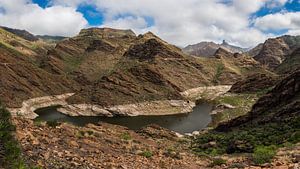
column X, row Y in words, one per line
column 208, row 49
column 278, row 105
column 275, row 50
column 222, row 52
column 290, row 64
column 254, row 83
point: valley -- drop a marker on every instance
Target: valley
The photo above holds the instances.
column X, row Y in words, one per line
column 108, row 98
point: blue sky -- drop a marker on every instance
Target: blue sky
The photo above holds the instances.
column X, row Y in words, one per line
column 240, row 22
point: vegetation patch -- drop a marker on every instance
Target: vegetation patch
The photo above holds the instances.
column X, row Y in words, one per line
column 217, row 162
column 264, row 154
column 147, row 154
column 261, row 140
column 12, row 151
column 125, row 136
column 219, row 71
column 242, row 105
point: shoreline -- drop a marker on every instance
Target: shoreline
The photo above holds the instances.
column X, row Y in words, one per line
column 149, row 108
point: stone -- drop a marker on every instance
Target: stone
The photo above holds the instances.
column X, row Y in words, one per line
column 195, row 133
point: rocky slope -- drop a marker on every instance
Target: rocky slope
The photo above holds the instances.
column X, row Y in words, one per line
column 208, row 49
column 273, row 122
column 290, row 64
column 152, row 69
column 275, row 50
column 279, row 105
column 21, row 33
column 103, row 146
column 254, row 83
column 110, row 67
column 21, row 78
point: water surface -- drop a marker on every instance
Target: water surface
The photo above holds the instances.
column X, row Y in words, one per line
column 182, row 123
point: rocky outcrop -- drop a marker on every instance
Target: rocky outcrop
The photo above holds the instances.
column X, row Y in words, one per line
column 222, row 52
column 206, row 93
column 275, row 50
column 151, row 108
column 29, row 106
column 273, row 53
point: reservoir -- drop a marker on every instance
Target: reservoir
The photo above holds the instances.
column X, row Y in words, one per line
column 198, row 119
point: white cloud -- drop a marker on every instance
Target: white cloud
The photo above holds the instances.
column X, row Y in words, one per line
column 127, row 23
column 185, row 22
column 279, row 21
column 276, row 3
column 55, row 20
column 177, row 21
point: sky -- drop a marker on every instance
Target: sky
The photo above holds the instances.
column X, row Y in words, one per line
column 181, row 22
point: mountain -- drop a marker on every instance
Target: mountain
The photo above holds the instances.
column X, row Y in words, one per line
column 22, row 33
column 290, row 64
column 272, row 122
column 275, row 50
column 30, row 37
column 107, row 66
column 21, row 78
column 209, row 48
column 103, row 59
column 255, row 51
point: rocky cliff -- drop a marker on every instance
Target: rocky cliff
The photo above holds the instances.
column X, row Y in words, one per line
column 275, row 50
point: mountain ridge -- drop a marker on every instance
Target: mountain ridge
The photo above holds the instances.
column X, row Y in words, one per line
column 208, row 49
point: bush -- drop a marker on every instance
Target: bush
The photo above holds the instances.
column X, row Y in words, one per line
column 263, row 154
column 52, row 123
column 125, row 136
column 11, row 147
column 217, row 162
column 147, row 154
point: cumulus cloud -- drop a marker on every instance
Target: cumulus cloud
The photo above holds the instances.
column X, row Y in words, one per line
column 186, row 22
column 179, row 22
column 54, row 20
column 276, row 3
column 278, row 21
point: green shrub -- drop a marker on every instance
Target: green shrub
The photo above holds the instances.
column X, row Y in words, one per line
column 217, row 162
column 147, row 154
column 263, row 154
column 11, row 147
column 126, row 136
column 219, row 71
column 52, row 123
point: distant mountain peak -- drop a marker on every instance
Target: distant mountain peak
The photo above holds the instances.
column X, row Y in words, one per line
column 224, row 43
column 208, row 49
